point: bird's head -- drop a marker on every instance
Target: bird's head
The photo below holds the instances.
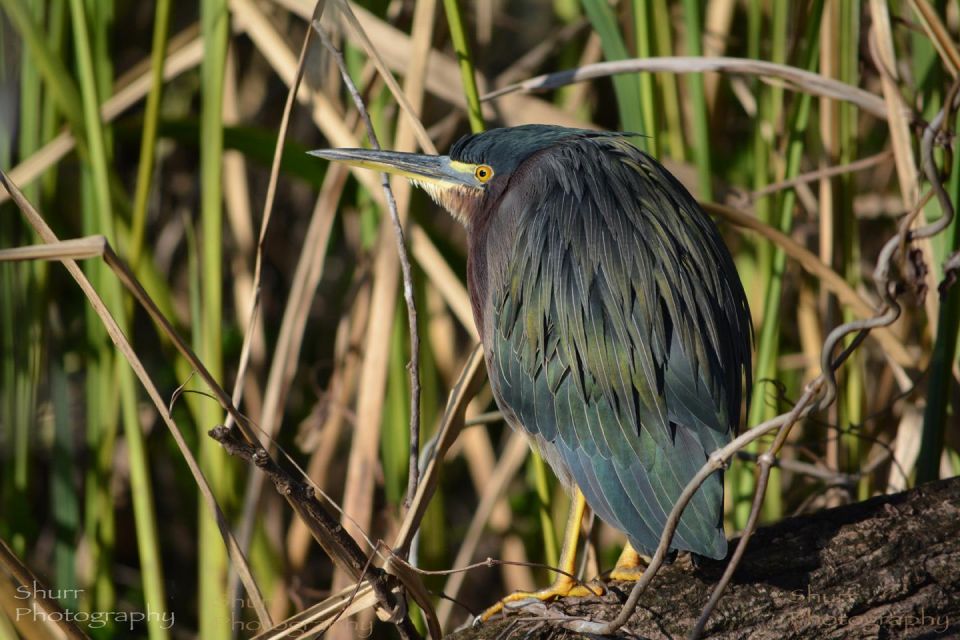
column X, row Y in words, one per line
column 476, row 166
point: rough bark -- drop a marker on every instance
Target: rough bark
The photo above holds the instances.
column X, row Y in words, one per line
column 885, row 568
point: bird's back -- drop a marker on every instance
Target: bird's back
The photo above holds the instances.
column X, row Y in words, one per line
column 616, row 332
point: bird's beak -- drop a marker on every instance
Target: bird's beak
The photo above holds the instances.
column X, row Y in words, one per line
column 438, row 171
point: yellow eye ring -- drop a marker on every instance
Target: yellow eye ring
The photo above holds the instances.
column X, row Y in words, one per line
column 483, row 173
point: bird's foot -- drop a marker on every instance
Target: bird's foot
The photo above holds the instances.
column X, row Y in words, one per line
column 627, row 574
column 630, row 566
column 563, row 587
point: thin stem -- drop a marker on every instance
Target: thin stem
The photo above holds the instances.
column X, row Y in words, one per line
column 766, row 461
column 414, row 367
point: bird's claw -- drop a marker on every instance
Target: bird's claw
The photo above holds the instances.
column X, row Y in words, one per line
column 630, row 566
column 564, row 587
column 627, row 574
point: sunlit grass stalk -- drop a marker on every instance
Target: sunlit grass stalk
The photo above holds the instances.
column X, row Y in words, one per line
column 645, row 46
column 663, row 40
column 148, row 140
column 771, row 110
column 746, row 171
column 625, row 86
column 698, row 100
column 101, row 428
column 852, row 410
column 541, row 479
column 214, row 25
column 462, row 49
column 147, row 540
column 102, row 400
column 742, row 478
column 99, row 21
column 769, row 335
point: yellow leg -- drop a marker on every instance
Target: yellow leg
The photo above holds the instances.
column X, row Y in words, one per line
column 564, row 585
column 630, row 565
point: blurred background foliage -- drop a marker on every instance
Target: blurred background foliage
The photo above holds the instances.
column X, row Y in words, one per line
column 155, row 123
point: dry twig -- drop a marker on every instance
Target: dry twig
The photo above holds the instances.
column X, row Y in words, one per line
column 414, row 365
column 808, row 81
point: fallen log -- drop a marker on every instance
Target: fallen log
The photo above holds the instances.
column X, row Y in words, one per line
column 888, row 567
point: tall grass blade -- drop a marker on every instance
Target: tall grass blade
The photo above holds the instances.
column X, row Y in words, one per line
column 627, row 87
column 643, row 32
column 698, row 100
column 459, row 37
column 140, row 485
column 765, row 367
column 212, row 566
column 667, row 84
column 148, row 141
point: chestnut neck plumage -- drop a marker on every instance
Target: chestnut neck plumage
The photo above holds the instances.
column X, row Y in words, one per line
column 480, row 213
column 473, row 208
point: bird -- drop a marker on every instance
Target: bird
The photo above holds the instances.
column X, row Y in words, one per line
column 616, row 332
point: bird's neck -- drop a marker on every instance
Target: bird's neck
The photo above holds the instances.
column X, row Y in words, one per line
column 477, row 276
column 461, row 202
column 481, row 221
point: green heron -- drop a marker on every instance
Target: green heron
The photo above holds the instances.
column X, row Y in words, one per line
column 615, row 328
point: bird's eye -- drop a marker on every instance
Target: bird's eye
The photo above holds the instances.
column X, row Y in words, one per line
column 483, row 173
